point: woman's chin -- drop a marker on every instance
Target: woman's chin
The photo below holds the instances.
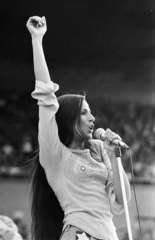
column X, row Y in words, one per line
column 89, row 136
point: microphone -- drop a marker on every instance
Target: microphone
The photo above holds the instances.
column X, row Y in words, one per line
column 100, row 134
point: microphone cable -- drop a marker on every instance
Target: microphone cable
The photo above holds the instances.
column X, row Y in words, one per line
column 132, row 173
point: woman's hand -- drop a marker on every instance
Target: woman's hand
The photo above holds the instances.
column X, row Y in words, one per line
column 37, row 26
column 110, row 137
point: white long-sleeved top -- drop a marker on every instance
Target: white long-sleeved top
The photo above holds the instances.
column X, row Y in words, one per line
column 82, row 182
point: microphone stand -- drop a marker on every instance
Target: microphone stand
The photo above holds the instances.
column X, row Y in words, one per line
column 118, row 156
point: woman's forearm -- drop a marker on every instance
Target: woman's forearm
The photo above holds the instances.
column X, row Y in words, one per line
column 37, row 27
column 110, row 148
column 117, row 183
column 40, row 65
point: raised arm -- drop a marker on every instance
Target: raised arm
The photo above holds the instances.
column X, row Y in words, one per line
column 51, row 150
column 37, row 28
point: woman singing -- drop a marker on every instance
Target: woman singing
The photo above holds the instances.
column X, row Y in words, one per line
column 76, row 184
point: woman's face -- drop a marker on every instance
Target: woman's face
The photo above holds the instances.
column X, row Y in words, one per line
column 86, row 121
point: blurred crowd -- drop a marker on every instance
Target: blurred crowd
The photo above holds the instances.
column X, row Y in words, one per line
column 18, row 132
column 132, row 121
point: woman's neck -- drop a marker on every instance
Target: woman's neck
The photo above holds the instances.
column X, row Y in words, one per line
column 77, row 145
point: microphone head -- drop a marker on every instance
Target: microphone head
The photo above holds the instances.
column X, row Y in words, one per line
column 98, row 132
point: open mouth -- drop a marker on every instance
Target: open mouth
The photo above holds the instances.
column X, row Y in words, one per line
column 91, row 128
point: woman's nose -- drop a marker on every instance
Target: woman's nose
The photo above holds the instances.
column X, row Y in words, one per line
column 92, row 118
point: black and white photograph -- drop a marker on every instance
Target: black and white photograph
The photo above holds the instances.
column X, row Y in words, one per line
column 77, row 120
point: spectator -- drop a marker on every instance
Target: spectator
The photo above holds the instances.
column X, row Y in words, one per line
column 8, row 229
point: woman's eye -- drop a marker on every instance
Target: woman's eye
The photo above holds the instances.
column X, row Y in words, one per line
column 85, row 112
column 82, row 113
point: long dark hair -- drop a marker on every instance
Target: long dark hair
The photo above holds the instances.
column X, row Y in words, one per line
column 47, row 215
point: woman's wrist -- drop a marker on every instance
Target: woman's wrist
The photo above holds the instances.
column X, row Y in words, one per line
column 111, row 155
column 37, row 39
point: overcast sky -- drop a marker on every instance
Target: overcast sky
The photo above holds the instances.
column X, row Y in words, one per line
column 108, row 34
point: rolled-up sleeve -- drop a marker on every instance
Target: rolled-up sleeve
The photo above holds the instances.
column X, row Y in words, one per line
column 51, row 149
column 44, row 93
